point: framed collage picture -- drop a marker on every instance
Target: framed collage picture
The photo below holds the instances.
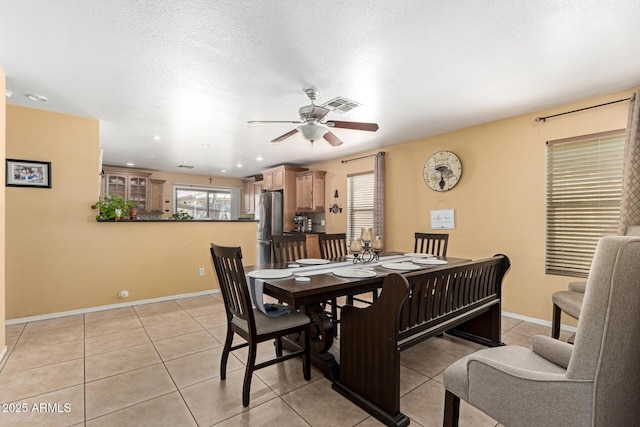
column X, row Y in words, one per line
column 28, row 173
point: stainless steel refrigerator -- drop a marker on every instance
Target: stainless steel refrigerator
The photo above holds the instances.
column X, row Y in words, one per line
column 269, row 215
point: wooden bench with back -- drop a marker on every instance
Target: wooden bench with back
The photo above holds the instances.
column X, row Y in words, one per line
column 462, row 300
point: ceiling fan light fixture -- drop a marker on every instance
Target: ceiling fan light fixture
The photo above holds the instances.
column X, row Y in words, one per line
column 312, row 132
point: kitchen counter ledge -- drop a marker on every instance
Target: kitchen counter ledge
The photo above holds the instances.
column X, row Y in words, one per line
column 181, row 221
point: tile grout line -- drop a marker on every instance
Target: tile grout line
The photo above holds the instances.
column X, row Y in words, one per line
column 165, row 365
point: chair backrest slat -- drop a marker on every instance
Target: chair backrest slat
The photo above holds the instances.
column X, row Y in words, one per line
column 289, row 247
column 333, row 245
column 431, row 243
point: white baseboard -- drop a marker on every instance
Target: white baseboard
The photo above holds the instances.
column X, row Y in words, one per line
column 106, row 307
column 3, row 352
column 537, row 321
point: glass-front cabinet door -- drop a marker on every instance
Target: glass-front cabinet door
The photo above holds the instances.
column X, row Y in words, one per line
column 136, row 187
column 138, row 192
column 116, row 185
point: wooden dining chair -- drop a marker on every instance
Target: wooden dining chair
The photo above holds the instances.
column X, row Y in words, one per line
column 431, row 243
column 333, row 245
column 250, row 323
column 289, row 247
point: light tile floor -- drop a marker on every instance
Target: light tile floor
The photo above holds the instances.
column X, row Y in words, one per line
column 158, row 365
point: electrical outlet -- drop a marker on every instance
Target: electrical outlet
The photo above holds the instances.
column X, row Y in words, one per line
column 201, row 271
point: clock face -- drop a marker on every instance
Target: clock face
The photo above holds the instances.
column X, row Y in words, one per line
column 442, row 171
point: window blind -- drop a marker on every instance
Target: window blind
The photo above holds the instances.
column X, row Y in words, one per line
column 584, row 188
column 359, row 204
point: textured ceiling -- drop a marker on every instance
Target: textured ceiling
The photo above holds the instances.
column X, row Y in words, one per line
column 194, row 72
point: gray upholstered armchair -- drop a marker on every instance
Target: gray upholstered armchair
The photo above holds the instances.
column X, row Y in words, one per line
column 595, row 382
column 570, row 301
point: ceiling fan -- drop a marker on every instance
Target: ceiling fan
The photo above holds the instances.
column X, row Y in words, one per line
column 312, row 127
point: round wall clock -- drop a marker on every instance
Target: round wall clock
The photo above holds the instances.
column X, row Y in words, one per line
column 442, row 171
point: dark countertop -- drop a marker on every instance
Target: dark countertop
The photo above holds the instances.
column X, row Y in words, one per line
column 188, row 220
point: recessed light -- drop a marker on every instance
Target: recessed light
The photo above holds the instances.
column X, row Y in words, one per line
column 157, row 138
column 239, row 165
column 38, row 98
column 8, row 93
column 130, row 164
column 223, row 171
column 259, row 158
column 205, row 146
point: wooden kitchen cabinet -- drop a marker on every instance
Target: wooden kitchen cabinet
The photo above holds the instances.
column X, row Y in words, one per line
column 273, row 178
column 257, row 190
column 248, row 197
column 283, row 178
column 310, row 191
column 145, row 193
column 157, row 195
column 276, row 178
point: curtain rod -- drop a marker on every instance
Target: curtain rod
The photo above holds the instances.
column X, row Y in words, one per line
column 362, row 157
column 544, row 119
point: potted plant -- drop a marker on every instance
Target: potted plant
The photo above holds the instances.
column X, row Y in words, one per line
column 112, row 208
column 181, row 216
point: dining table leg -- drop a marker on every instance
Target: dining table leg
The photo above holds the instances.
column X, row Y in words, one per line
column 322, row 337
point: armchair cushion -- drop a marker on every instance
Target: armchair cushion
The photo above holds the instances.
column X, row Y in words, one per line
column 514, row 359
column 553, row 350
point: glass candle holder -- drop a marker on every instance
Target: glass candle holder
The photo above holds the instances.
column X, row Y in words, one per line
column 355, row 246
column 366, row 234
column 376, row 244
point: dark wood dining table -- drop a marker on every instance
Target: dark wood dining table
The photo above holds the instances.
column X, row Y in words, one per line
column 311, row 297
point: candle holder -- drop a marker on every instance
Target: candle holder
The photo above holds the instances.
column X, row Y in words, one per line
column 366, row 249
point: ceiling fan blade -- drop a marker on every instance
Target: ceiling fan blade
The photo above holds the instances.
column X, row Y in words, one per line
column 332, row 139
column 370, row 127
column 274, row 121
column 285, row 136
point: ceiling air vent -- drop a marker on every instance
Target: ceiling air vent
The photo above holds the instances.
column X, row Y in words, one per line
column 186, row 166
column 341, row 105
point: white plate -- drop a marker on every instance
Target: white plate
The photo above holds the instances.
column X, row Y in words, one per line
column 269, row 274
column 312, row 261
column 417, row 255
column 356, row 273
column 400, row 266
column 429, row 261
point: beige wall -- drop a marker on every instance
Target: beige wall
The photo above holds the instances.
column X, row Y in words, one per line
column 59, row 258
column 3, row 116
column 500, row 201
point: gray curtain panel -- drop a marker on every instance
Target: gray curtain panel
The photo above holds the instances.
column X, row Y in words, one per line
column 630, row 205
column 378, row 195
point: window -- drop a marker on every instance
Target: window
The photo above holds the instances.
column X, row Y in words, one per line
column 207, row 203
column 359, row 203
column 584, row 188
